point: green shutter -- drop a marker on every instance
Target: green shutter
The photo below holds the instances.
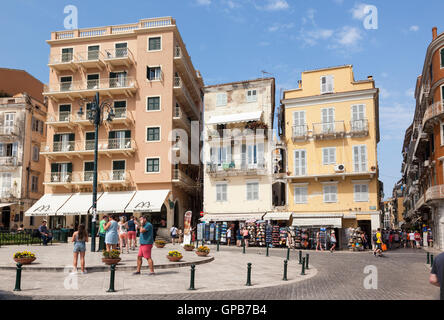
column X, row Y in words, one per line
column 128, row 134
column 72, row 137
column 112, row 135
column 54, row 167
column 442, row 58
column 56, row 138
column 70, row 167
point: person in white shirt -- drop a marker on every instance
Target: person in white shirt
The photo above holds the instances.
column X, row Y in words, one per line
column 173, row 232
column 228, row 236
column 412, row 239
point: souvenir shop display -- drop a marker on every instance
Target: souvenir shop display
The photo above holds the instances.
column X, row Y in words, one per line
column 207, row 232
column 222, row 232
column 251, row 227
column 355, row 240
column 283, row 237
column 260, row 233
column 297, row 238
column 212, row 232
column 305, row 239
column 200, row 231
column 275, row 238
column 268, row 234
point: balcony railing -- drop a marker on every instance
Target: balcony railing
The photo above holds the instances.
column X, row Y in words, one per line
column 182, row 177
column 431, row 112
column 185, row 67
column 11, row 161
column 115, row 177
column 59, row 117
column 119, row 143
column 328, row 129
column 300, row 132
column 59, row 177
column 120, row 113
column 235, row 168
column 359, row 127
column 9, row 131
column 86, row 147
column 63, row 146
column 91, row 85
column 184, row 96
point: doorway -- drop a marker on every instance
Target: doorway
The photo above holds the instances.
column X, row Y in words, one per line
column 6, row 217
column 366, row 227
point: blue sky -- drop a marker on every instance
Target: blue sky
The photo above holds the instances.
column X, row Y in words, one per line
column 231, row 40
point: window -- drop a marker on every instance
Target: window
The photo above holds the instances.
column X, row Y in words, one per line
column 90, row 140
column 153, row 134
column 300, row 163
column 299, row 125
column 120, row 109
column 220, row 155
column 92, row 81
column 88, row 171
column 153, row 73
column 154, row 44
column 152, row 165
column 328, row 156
column 34, row 184
column 118, row 173
column 67, row 54
column 93, row 52
column 327, row 84
column 117, row 79
column 65, row 83
column 121, row 50
column 9, row 123
column 153, row 104
column 35, row 153
column 221, row 99
column 251, row 95
column 63, row 142
column 361, row 192
column 358, row 117
column 8, row 149
column 300, row 195
column 442, row 57
column 252, row 190
column 330, row 193
column 120, row 139
column 221, row 192
column 5, row 179
column 328, row 120
column 64, row 112
column 442, row 133
column 360, row 158
column 61, row 172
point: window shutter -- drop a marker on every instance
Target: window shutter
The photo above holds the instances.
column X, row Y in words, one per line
column 363, row 158
column 56, row 138
column 364, row 192
column 332, row 155
column 323, row 84
column 14, row 149
column 296, row 163
column 2, row 150
column 70, row 167
column 356, row 158
column 71, row 137
column 127, row 134
column 54, row 167
column 112, row 135
column 330, row 83
column 442, row 58
column 357, row 192
column 325, row 156
column 260, row 153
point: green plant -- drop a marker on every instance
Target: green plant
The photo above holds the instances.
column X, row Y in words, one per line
column 174, row 253
column 24, row 254
column 113, row 254
column 204, row 249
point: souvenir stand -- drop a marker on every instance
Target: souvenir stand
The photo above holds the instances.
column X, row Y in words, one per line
column 354, row 239
column 251, row 227
column 223, row 232
column 283, row 236
column 296, row 234
column 261, row 233
column 275, row 238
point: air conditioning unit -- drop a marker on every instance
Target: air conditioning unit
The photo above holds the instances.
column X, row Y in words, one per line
column 339, row 168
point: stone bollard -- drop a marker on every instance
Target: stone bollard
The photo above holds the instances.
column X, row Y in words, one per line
column 306, row 260
column 300, row 257
column 303, row 267
column 193, row 271
column 111, row 281
column 248, row 275
column 285, row 270
column 18, row 277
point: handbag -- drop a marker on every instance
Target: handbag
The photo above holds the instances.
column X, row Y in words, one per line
column 384, row 247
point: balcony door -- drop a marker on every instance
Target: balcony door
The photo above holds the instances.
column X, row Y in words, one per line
column 328, row 120
column 358, row 116
column 118, row 170
column 119, row 139
column 92, row 81
column 117, row 79
column 64, row 112
column 65, row 83
column 89, row 140
column 64, row 142
column 93, row 52
column 61, row 172
column 121, row 50
column 6, row 178
column 299, row 123
column 67, row 54
column 88, row 171
column 9, row 123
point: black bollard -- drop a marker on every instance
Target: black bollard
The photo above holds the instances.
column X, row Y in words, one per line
column 267, row 254
column 288, row 254
column 285, row 270
column 218, row 243
column 193, row 270
column 428, row 257
column 248, row 275
column 300, row 257
column 442, row 286
column 18, row 277
column 306, row 261
column 431, row 260
column 111, row 282
column 303, row 267
column 243, row 246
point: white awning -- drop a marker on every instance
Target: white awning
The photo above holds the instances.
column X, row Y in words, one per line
column 114, row 202
column 6, row 204
column 48, row 205
column 147, row 201
column 278, row 216
column 232, row 217
column 78, row 204
column 317, row 222
column 235, row 117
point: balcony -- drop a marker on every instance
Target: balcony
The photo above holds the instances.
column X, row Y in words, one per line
column 108, row 147
column 180, row 119
column 359, row 128
column 9, row 133
column 433, row 111
column 235, row 168
column 82, row 178
column 60, row 119
column 9, row 163
column 182, row 65
column 300, row 133
column 58, row 179
column 74, row 90
column 90, row 60
column 62, row 62
column 182, row 94
column 115, row 177
column 121, row 57
column 329, row 130
column 122, row 116
column 182, row 180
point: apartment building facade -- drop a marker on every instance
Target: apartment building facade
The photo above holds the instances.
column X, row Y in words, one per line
column 331, row 133
column 145, row 75
column 238, row 151
column 22, row 131
column 423, row 151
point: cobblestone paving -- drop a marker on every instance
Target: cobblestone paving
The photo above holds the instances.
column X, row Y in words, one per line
column 402, row 274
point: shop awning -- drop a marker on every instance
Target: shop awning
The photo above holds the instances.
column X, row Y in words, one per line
column 147, row 201
column 232, row 217
column 317, row 222
column 114, row 202
column 2, row 205
column 78, row 204
column 48, row 205
column 236, row 117
column 278, row 216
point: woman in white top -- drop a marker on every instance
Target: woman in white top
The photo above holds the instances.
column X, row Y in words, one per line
column 228, row 236
column 123, row 233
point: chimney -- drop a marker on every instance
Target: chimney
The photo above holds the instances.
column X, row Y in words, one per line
column 370, row 78
column 299, row 84
column 435, row 32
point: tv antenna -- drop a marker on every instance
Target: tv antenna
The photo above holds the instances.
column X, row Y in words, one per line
column 265, row 72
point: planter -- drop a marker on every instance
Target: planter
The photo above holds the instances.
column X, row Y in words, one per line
column 202, row 254
column 159, row 245
column 174, row 259
column 110, row 261
column 188, row 248
column 24, row 260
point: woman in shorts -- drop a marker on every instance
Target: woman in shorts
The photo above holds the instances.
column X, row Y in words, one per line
column 80, row 237
column 245, row 236
column 123, row 234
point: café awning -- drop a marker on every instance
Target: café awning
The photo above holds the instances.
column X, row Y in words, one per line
column 78, row 204
column 235, row 118
column 114, row 202
column 147, row 201
column 232, row 217
column 48, row 205
column 2, row 205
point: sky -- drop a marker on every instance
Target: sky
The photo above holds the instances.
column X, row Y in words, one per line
column 233, row 40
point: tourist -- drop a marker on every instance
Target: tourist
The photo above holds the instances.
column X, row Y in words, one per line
column 289, row 239
column 146, row 244
column 437, row 271
column 364, row 241
column 228, row 236
column 80, row 237
column 396, row 239
column 390, row 240
column 418, row 239
column 44, row 233
column 378, row 243
column 173, row 233
column 245, row 236
column 102, row 232
column 333, row 241
column 430, row 237
column 412, row 239
column 132, row 233
column 111, row 236
column 238, row 237
column 180, row 234
column 321, row 240
column 404, row 238
column 123, row 234
column 21, row 228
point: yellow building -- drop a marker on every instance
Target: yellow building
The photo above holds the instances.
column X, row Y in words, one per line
column 332, row 131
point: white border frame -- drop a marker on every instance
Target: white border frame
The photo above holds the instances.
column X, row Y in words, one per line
column 161, row 73
column 148, row 43
column 160, row 103
column 146, row 134
column 354, row 192
column 146, row 165
column 300, row 186
column 250, row 181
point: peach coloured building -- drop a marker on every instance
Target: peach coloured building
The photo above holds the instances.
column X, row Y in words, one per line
column 144, row 72
column 22, row 131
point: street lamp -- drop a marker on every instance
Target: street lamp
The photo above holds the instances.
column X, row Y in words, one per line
column 96, row 115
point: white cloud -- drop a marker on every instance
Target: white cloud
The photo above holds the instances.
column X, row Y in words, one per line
column 264, row 44
column 280, row 26
column 384, row 93
column 312, row 37
column 309, row 17
column 203, row 2
column 349, row 36
column 232, row 4
column 414, row 28
column 410, row 92
column 358, row 11
column 274, row 5
column 395, row 119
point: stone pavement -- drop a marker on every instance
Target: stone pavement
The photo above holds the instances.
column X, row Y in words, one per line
column 402, row 274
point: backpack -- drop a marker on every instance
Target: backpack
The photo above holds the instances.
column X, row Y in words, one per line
column 375, row 238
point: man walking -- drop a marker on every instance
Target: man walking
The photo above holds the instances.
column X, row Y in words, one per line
column 173, row 233
column 102, row 232
column 437, row 273
column 146, row 244
column 44, row 233
column 378, row 243
column 132, row 233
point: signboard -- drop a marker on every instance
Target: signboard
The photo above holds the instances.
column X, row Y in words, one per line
column 187, row 227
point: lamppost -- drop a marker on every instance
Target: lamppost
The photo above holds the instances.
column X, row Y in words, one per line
column 96, row 115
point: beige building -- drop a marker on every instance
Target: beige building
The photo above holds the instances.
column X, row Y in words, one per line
column 22, row 131
column 238, row 149
column 144, row 72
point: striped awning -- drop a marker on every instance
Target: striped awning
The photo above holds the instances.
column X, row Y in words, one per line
column 48, row 205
